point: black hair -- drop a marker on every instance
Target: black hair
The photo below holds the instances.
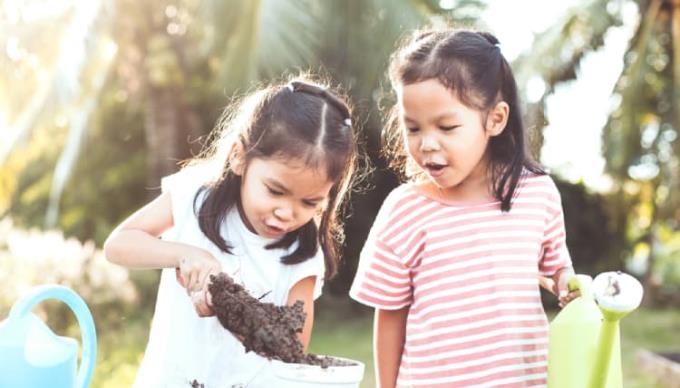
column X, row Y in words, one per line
column 298, row 120
column 471, row 65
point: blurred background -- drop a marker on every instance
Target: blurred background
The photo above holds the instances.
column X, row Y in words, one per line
column 101, row 98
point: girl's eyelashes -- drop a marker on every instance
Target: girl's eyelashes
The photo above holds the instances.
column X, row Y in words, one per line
column 310, row 203
column 305, row 202
column 274, row 192
column 448, row 128
column 441, row 127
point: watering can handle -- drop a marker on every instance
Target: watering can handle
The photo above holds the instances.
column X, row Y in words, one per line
column 85, row 321
column 581, row 283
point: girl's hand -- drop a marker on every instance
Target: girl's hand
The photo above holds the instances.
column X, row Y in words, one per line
column 202, row 301
column 561, row 286
column 194, row 271
column 558, row 285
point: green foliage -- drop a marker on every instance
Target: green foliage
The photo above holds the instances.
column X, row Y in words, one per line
column 109, row 180
column 27, row 176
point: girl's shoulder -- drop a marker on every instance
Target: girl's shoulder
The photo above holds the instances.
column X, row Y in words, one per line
column 538, row 184
column 183, row 186
column 404, row 194
column 195, row 175
column 400, row 202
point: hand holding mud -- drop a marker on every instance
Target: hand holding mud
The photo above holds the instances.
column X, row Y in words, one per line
column 193, row 272
column 202, row 301
column 264, row 328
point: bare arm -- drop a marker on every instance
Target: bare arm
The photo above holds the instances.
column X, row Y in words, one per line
column 304, row 291
column 389, row 333
column 135, row 243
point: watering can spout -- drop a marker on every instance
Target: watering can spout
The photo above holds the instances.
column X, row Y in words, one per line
column 617, row 294
column 31, row 355
column 584, row 348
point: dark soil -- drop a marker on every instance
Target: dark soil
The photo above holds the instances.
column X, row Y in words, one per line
column 264, row 328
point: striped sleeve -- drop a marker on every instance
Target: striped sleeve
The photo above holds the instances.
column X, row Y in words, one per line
column 554, row 246
column 383, row 279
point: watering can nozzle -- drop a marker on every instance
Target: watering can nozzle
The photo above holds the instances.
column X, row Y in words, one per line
column 617, row 294
column 584, row 345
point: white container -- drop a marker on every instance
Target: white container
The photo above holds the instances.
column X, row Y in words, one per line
column 314, row 376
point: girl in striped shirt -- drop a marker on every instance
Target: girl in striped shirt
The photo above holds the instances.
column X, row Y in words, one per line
column 453, row 261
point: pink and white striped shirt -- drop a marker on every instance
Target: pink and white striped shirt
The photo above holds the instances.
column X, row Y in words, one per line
column 469, row 273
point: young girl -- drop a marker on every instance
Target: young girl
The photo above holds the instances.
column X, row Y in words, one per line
column 260, row 206
column 453, row 260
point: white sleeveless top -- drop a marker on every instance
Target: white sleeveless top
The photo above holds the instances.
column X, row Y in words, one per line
column 184, row 347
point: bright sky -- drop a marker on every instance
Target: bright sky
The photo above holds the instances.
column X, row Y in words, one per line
column 578, row 110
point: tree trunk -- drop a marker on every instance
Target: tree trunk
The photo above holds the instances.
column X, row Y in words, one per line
column 170, row 127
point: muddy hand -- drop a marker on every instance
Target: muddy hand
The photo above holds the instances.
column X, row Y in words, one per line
column 194, row 272
column 202, row 301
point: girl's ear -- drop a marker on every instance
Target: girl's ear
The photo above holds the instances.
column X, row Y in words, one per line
column 237, row 163
column 497, row 118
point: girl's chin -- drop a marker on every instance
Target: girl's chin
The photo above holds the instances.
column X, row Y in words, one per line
column 271, row 232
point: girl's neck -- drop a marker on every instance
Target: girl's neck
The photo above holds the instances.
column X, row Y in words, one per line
column 475, row 188
column 465, row 193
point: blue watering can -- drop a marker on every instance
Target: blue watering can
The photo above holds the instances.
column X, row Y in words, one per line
column 32, row 356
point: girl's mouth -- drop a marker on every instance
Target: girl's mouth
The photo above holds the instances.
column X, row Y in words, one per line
column 274, row 230
column 434, row 169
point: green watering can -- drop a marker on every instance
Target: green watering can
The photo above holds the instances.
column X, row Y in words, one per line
column 584, row 348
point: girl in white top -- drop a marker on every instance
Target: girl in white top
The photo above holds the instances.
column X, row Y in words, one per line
column 260, row 205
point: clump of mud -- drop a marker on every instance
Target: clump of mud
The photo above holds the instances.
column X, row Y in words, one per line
column 264, row 328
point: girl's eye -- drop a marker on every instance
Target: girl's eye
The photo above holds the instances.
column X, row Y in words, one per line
column 274, row 192
column 449, row 128
column 310, row 203
column 412, row 129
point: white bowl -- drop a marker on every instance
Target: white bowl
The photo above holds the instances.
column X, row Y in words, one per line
column 308, row 376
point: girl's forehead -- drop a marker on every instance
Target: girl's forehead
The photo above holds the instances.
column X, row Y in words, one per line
column 292, row 176
column 430, row 98
column 289, row 166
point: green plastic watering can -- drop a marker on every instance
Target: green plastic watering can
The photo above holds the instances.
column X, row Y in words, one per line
column 584, row 348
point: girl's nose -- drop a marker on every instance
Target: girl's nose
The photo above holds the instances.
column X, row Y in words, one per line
column 428, row 143
column 283, row 213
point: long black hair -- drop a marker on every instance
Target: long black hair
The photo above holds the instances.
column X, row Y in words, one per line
column 297, row 120
column 471, row 65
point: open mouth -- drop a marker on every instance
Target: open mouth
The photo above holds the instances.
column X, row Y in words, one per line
column 434, row 169
column 275, row 230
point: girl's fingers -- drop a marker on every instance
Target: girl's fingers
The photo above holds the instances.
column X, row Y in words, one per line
column 200, row 301
column 547, row 283
column 204, row 279
column 568, row 297
column 180, row 278
column 192, row 281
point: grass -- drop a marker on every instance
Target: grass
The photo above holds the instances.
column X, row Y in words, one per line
column 342, row 331
column 346, row 331
column 654, row 330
